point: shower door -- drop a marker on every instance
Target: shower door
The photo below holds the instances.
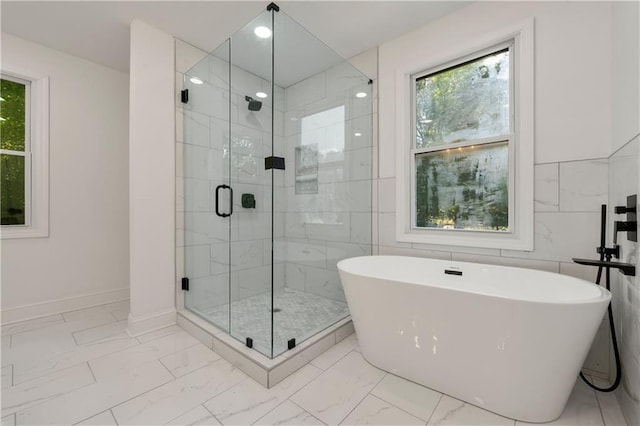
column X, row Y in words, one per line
column 228, row 121
column 251, row 235
column 208, row 212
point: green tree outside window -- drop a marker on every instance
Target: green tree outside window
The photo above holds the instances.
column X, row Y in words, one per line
column 12, row 158
column 465, row 187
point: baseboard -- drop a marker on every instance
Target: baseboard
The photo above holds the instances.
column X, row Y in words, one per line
column 141, row 324
column 42, row 309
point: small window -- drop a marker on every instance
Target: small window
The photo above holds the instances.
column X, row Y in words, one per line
column 463, row 136
column 24, row 159
column 14, row 151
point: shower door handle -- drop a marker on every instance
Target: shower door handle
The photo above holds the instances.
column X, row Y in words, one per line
column 218, row 188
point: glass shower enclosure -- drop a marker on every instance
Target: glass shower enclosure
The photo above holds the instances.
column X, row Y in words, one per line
column 277, row 182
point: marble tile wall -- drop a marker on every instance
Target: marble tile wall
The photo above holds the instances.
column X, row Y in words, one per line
column 623, row 181
column 331, row 219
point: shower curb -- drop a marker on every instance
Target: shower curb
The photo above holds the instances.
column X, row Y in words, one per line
column 268, row 372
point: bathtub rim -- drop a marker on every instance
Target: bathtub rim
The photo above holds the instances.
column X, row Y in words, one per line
column 604, row 294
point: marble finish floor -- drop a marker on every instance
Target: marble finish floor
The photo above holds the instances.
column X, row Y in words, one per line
column 81, row 367
column 298, row 315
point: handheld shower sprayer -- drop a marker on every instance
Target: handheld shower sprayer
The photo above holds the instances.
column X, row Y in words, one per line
column 602, row 249
column 607, row 253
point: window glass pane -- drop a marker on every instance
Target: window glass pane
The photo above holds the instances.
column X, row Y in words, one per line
column 463, row 188
column 12, row 115
column 12, row 189
column 465, row 102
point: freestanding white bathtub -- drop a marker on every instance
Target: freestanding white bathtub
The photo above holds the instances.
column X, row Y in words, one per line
column 508, row 340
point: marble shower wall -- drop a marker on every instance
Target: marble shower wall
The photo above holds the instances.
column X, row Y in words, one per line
column 327, row 213
column 623, row 181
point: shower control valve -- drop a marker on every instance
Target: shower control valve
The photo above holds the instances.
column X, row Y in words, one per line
column 630, row 226
column 624, row 209
column 629, row 209
column 609, row 251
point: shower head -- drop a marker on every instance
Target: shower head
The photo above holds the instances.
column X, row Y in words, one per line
column 253, row 104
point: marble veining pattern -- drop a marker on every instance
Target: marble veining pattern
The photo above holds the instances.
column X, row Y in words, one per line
column 168, row 377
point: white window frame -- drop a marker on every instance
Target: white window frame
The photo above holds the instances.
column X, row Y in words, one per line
column 520, row 234
column 36, row 156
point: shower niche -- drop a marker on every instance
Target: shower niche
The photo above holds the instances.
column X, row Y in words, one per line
column 277, row 178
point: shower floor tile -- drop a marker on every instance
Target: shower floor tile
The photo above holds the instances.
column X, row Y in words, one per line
column 297, row 314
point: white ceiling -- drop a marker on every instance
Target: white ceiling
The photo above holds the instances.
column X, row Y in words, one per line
column 99, row 31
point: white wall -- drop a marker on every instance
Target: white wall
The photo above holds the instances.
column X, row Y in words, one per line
column 85, row 259
column 573, row 127
column 573, row 71
column 626, row 72
column 152, row 179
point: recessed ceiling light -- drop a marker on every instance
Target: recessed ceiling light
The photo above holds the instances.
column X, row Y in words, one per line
column 262, row 32
column 361, row 95
column 357, row 134
column 261, row 95
column 195, row 80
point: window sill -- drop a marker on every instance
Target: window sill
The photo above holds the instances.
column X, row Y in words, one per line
column 481, row 239
column 19, row 232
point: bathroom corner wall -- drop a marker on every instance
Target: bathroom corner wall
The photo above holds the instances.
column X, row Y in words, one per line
column 624, row 180
column 572, row 134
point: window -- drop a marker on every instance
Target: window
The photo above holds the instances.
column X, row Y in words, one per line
column 465, row 168
column 14, row 152
column 462, row 143
column 23, row 156
column 321, row 142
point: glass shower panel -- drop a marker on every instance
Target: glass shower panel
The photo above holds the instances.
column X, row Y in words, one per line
column 324, row 201
column 277, row 183
column 251, row 142
column 206, row 187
